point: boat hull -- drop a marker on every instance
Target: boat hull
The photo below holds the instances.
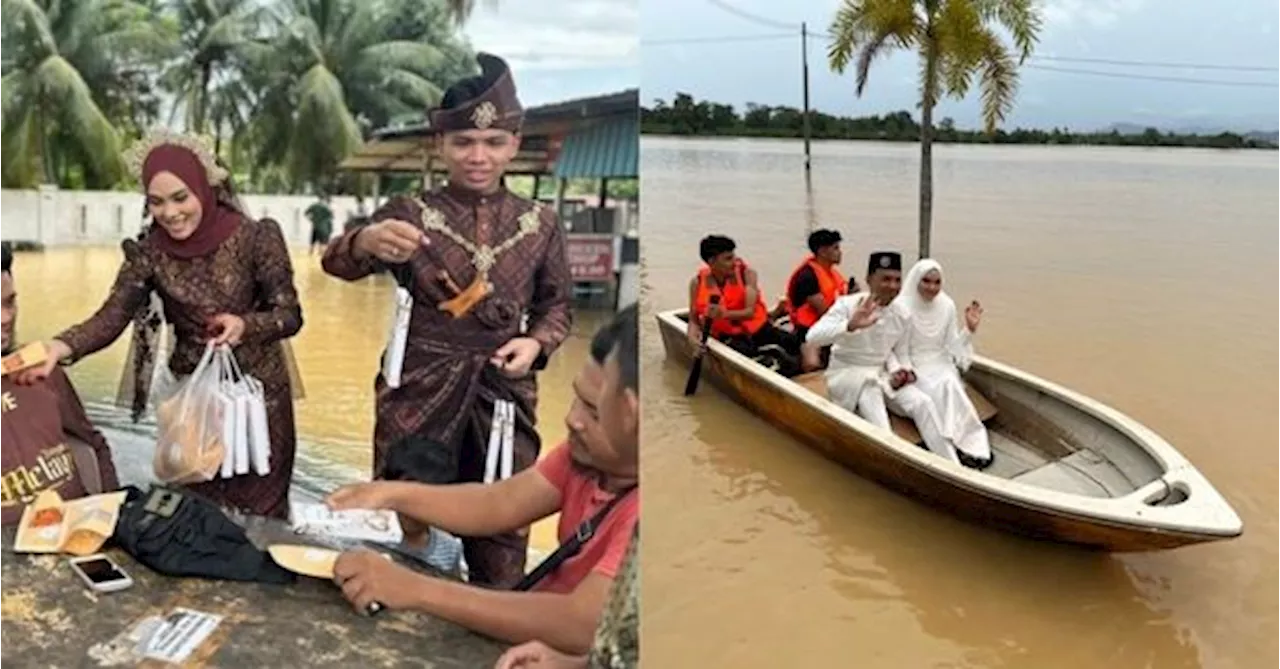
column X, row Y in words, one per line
column 872, row 453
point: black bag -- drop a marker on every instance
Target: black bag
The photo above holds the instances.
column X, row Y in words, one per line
column 176, row 533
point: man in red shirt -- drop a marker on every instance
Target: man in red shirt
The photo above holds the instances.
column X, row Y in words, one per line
column 587, row 478
column 617, row 643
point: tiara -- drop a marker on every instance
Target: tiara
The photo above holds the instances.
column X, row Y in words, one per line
column 200, row 145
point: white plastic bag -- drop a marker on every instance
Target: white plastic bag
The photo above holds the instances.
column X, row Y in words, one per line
column 259, row 434
column 242, row 431
column 228, row 394
column 189, row 445
column 397, row 338
column 227, row 405
column 249, row 437
column 163, row 383
column 499, row 455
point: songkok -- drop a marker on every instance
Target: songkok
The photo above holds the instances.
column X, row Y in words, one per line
column 885, row 260
column 482, row 102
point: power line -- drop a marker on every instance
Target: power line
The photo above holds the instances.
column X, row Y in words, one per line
column 715, row 40
column 1148, row 63
column 1139, row 63
column 1036, row 59
column 753, row 17
column 1149, row 77
column 1063, row 59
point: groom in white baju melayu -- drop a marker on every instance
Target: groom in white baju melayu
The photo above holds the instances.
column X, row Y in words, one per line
column 865, row 376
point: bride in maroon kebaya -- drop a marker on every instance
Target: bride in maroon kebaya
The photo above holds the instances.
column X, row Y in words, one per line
column 221, row 276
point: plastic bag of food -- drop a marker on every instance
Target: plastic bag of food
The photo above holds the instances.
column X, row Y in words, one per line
column 190, row 446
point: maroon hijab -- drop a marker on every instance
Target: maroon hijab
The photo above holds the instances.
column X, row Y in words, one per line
column 217, row 220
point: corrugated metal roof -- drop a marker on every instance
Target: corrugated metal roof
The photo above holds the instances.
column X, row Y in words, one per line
column 609, row 149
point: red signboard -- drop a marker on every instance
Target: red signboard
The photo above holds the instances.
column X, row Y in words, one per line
column 590, row 257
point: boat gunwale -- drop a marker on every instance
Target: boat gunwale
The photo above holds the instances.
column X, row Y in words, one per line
column 1204, row 515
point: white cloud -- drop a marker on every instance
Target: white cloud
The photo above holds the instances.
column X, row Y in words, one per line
column 559, row 34
column 1088, row 13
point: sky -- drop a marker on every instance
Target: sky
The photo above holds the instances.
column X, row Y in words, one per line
column 676, row 56
column 561, row 49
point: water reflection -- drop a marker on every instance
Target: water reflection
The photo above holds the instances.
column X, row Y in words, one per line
column 778, row 519
column 810, row 205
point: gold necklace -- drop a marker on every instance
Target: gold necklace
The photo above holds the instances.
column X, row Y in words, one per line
column 483, row 256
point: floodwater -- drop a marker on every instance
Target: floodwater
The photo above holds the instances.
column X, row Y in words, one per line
column 338, row 353
column 1144, row 278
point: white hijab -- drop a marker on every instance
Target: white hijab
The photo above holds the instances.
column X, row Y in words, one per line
column 929, row 318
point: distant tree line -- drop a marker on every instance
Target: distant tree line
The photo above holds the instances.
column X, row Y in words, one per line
column 685, row 115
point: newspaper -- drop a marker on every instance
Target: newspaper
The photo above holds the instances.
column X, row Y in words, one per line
column 382, row 526
column 78, row 527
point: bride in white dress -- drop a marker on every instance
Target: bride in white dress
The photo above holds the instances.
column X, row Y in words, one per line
column 937, row 348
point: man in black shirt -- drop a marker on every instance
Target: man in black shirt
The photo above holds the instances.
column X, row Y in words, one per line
column 814, row 286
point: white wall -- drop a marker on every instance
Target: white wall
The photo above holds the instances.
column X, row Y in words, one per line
column 90, row 218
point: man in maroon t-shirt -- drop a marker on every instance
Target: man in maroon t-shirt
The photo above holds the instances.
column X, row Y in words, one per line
column 49, row 443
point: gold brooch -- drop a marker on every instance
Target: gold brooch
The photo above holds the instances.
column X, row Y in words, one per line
column 484, row 115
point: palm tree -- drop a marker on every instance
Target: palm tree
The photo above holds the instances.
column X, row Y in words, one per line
column 60, row 62
column 955, row 40
column 461, row 9
column 213, row 34
column 344, row 66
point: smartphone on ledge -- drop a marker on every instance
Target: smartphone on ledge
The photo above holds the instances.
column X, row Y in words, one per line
column 100, row 573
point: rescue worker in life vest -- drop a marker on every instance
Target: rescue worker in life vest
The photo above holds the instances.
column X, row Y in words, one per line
column 813, row 287
column 741, row 319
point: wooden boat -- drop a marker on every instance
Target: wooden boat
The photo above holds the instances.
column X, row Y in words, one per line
column 1066, row 468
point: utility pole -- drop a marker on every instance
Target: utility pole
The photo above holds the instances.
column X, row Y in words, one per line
column 804, row 72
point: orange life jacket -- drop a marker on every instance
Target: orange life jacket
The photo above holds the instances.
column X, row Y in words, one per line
column 733, row 297
column 831, row 284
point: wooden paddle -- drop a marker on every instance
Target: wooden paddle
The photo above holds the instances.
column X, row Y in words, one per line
column 691, row 386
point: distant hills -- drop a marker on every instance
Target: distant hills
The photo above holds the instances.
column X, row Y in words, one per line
column 1271, row 136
